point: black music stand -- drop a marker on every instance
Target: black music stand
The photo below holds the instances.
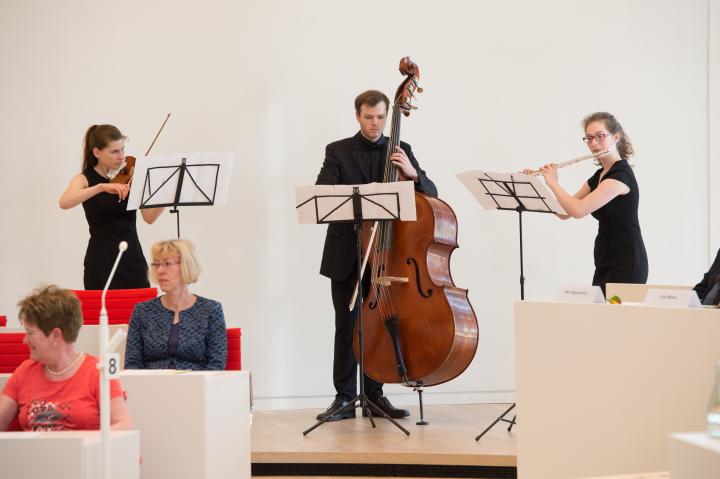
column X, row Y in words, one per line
column 179, row 175
column 391, row 213
column 510, row 192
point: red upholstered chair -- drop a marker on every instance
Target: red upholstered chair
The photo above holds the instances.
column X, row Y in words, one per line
column 3, row 321
column 119, row 303
column 12, row 351
column 233, row 349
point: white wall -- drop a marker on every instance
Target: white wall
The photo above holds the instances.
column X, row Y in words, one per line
column 506, row 85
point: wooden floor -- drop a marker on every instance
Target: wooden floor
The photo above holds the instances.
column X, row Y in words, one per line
column 449, row 439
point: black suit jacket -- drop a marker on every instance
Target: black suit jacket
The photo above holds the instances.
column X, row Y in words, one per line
column 709, row 279
column 347, row 163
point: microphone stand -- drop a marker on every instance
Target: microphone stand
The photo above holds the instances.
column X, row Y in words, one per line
column 105, row 349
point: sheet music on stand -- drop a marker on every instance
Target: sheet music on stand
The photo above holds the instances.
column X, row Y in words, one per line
column 332, row 203
column 508, row 191
column 155, row 180
column 180, row 179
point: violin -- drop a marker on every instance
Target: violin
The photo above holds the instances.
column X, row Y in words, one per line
column 125, row 173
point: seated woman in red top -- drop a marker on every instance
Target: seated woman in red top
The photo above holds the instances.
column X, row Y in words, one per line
column 57, row 389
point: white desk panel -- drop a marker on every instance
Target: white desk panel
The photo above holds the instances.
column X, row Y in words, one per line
column 194, row 425
column 600, row 387
column 694, row 455
column 67, row 455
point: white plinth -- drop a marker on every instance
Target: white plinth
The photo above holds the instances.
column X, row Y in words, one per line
column 67, row 455
column 194, row 425
column 600, row 387
column 694, row 455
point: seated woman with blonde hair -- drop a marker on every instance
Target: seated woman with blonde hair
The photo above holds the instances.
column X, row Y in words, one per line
column 178, row 330
column 57, row 389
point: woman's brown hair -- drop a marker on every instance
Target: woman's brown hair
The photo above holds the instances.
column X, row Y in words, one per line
column 98, row 136
column 624, row 146
column 50, row 307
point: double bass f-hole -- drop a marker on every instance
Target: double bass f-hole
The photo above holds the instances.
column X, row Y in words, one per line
column 429, row 292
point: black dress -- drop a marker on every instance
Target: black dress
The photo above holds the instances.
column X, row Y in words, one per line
column 110, row 223
column 620, row 255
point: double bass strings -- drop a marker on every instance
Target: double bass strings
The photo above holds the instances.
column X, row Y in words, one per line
column 384, row 243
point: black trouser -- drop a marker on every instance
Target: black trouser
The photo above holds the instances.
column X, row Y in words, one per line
column 344, row 362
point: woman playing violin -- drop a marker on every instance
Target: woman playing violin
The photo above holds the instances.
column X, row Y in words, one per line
column 105, row 205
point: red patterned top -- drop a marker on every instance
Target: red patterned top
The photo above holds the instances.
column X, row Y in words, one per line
column 72, row 404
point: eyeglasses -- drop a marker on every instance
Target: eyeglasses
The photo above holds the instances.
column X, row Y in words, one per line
column 598, row 137
column 164, row 264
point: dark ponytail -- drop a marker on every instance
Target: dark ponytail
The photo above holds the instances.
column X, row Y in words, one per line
column 98, row 136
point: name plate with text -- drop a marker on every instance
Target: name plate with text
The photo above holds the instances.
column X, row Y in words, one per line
column 580, row 294
column 675, row 298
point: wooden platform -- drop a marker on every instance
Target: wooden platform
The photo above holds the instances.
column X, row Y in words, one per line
column 444, row 448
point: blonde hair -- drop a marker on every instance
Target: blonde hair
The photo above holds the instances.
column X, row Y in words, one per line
column 50, row 307
column 189, row 266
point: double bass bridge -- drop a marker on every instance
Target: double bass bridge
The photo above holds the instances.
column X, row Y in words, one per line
column 385, row 281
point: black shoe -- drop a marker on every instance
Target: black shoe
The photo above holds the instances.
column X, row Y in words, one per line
column 384, row 404
column 338, row 403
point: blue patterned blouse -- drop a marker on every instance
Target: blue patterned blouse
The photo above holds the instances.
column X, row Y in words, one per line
column 202, row 339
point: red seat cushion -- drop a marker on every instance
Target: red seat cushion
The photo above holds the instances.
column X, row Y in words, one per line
column 12, row 351
column 233, row 349
column 118, row 302
column 3, row 320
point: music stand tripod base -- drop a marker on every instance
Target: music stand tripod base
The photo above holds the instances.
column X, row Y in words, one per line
column 361, row 400
column 501, row 417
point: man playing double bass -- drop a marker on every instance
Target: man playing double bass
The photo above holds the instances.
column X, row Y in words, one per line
column 357, row 160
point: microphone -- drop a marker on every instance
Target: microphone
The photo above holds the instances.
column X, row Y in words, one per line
column 122, row 247
column 104, row 378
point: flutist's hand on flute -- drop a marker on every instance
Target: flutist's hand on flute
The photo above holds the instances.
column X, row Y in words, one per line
column 549, row 173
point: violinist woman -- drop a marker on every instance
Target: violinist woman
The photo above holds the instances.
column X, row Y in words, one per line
column 611, row 195
column 105, row 205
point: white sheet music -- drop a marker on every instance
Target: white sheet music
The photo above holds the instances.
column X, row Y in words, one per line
column 156, row 177
column 334, row 203
column 491, row 190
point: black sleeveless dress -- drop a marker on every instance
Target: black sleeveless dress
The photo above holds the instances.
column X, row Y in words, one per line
column 110, row 223
column 620, row 255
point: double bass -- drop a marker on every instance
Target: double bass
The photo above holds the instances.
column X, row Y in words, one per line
column 419, row 329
